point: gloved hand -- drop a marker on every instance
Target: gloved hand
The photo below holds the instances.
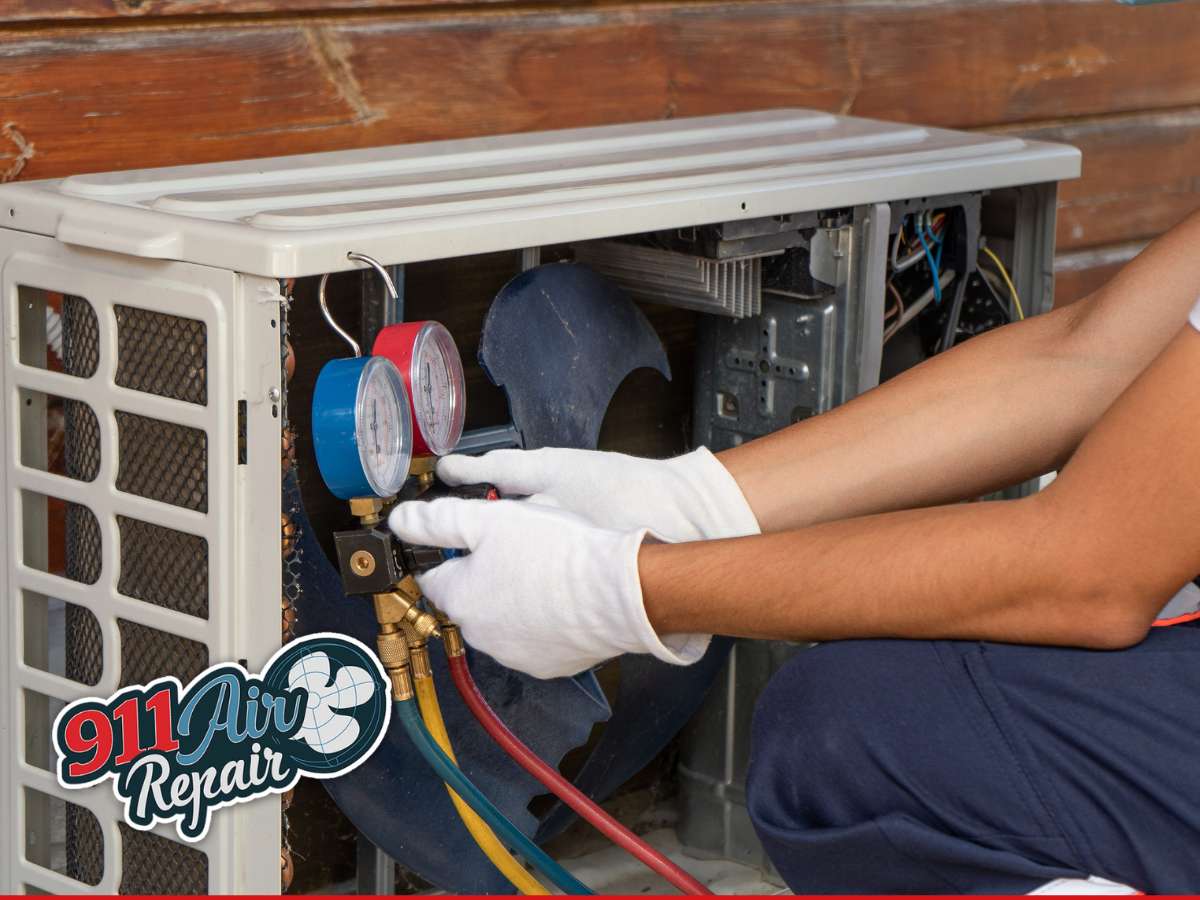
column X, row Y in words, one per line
column 688, row 498
column 543, row 590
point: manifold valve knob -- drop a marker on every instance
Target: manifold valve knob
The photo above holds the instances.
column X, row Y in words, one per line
column 422, row 623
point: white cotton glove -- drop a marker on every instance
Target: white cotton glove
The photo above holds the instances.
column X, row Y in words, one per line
column 689, row 498
column 542, row 590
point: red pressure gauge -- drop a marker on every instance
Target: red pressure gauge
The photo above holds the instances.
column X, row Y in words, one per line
column 432, row 370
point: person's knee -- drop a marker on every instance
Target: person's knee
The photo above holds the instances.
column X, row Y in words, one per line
column 842, row 728
column 876, row 763
column 813, row 730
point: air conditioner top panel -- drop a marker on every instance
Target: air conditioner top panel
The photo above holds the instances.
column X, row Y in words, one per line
column 292, row 216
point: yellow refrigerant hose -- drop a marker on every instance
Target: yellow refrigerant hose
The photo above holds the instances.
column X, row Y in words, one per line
column 509, row 867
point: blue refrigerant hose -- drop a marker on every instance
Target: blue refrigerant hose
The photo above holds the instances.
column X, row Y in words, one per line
column 410, row 718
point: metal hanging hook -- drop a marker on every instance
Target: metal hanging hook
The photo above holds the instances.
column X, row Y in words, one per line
column 329, row 317
column 387, row 281
column 378, row 267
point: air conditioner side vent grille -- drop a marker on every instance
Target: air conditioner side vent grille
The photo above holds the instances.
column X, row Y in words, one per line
column 162, row 354
column 163, row 566
column 162, row 461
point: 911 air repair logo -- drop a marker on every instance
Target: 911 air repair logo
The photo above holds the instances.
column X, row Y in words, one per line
column 320, row 708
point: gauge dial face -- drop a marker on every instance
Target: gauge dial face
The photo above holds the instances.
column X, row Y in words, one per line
column 437, row 382
column 383, row 427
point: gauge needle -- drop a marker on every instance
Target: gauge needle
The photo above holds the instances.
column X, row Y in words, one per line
column 427, row 388
column 375, row 424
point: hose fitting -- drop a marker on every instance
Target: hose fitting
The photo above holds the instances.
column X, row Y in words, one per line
column 368, row 510
column 423, row 468
column 452, row 640
column 402, row 684
column 418, row 653
column 393, row 653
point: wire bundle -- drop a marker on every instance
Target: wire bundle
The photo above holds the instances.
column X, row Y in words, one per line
column 930, row 234
column 928, row 240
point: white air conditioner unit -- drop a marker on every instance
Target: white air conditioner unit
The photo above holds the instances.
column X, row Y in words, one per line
column 167, row 288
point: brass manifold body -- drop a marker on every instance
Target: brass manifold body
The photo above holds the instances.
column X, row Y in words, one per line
column 404, row 628
column 401, row 623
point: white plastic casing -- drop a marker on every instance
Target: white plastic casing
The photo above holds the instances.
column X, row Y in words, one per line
column 298, row 215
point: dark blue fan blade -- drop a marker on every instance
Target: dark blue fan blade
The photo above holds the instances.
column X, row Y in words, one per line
column 559, row 339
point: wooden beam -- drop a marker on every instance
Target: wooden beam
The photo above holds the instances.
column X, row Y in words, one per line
column 25, row 11
column 88, row 98
column 1140, row 176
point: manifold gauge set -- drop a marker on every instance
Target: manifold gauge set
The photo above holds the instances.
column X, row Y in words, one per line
column 371, row 415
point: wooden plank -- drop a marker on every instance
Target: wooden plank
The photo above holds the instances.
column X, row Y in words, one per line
column 1078, row 274
column 87, row 99
column 25, row 11
column 1141, row 175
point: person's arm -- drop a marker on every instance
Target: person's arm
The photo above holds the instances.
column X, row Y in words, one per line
column 1087, row 562
column 1006, row 406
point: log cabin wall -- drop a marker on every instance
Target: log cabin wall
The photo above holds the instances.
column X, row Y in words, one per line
column 88, row 85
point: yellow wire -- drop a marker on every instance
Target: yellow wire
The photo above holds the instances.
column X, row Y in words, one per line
column 1012, row 289
column 488, row 842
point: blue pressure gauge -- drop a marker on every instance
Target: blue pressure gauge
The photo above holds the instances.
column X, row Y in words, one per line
column 362, row 427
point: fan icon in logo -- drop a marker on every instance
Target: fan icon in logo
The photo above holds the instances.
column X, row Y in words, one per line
column 325, row 728
column 347, row 704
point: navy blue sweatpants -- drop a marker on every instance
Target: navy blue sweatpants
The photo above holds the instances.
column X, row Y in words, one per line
column 960, row 767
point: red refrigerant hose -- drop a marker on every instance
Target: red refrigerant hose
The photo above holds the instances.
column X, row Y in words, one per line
column 559, row 786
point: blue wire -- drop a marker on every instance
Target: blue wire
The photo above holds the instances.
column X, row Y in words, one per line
column 933, row 266
column 410, row 718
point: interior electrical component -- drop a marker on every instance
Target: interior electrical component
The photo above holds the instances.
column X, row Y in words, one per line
column 362, row 427
column 914, row 308
column 554, row 782
column 726, row 287
column 428, row 361
column 1012, row 290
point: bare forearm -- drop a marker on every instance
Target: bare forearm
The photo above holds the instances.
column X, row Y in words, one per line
column 948, row 572
column 1000, row 571
column 1003, row 407
column 1088, row 562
